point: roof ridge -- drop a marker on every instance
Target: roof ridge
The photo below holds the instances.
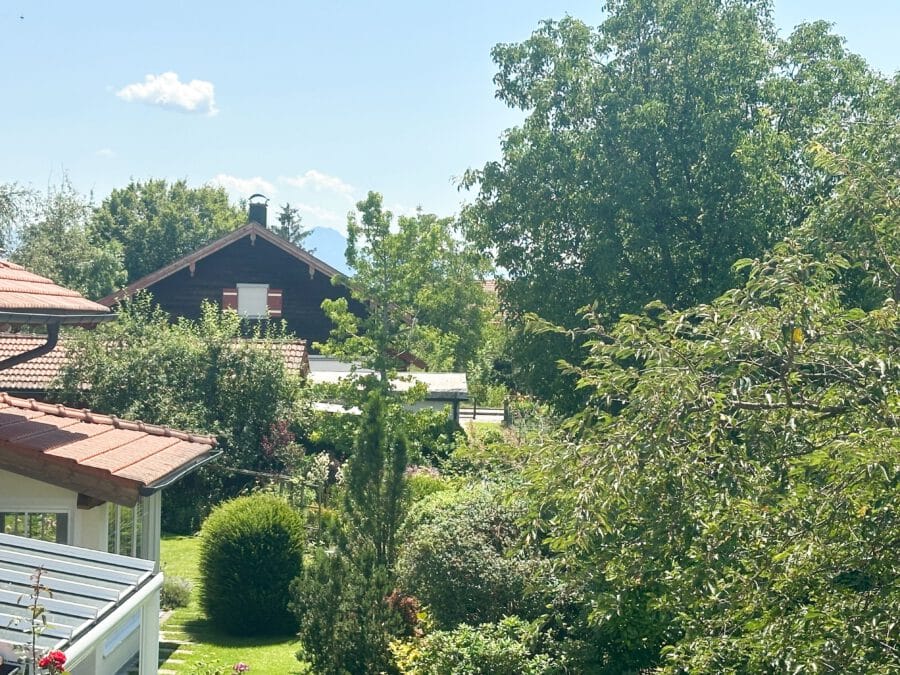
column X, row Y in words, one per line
column 251, row 229
column 86, row 415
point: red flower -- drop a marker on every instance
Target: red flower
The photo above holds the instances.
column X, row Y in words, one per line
column 55, row 661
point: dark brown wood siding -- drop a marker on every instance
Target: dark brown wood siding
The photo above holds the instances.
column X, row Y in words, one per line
column 244, row 262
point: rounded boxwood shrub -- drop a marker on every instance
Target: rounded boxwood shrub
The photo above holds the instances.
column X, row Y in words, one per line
column 251, row 549
column 459, row 555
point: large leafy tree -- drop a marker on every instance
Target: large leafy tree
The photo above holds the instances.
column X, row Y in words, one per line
column 735, row 503
column 157, row 222
column 56, row 241
column 654, row 153
column 199, row 375
column 15, row 202
column 421, row 285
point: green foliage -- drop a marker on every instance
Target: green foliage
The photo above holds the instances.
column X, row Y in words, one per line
column 290, row 225
column 862, row 217
column 14, row 201
column 197, row 375
column 656, row 150
column 738, row 476
column 340, row 600
column 421, row 285
column 156, row 222
column 55, row 240
column 251, row 549
column 175, row 592
column 460, row 558
column 345, row 624
column 502, row 648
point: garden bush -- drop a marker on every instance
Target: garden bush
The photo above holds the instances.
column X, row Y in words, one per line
column 250, row 551
column 502, row 648
column 175, row 592
column 460, row 557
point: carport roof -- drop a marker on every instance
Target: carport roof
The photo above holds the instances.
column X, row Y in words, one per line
column 82, row 587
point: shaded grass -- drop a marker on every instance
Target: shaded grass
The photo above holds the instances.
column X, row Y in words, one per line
column 211, row 648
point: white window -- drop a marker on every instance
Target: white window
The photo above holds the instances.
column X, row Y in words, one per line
column 46, row 526
column 124, row 530
column 252, row 300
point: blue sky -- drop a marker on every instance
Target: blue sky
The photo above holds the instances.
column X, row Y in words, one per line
column 309, row 102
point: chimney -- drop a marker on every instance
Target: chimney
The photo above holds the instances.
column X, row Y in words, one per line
column 258, row 209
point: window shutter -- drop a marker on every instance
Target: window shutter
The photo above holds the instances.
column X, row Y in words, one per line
column 229, row 298
column 273, row 302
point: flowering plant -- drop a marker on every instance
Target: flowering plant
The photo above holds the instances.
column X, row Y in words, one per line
column 54, row 662
column 240, row 667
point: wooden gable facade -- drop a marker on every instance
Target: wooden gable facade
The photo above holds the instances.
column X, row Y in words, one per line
column 253, row 271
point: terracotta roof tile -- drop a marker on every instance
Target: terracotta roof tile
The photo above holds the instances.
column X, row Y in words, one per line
column 97, row 455
column 23, row 291
column 39, row 373
column 36, row 374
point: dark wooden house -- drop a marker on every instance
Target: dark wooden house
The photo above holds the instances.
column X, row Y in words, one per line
column 253, row 271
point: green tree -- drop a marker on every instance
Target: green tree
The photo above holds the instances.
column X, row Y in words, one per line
column 421, row 286
column 198, row 375
column 735, row 507
column 14, row 204
column 341, row 599
column 654, row 153
column 290, row 225
column 156, row 222
column 58, row 243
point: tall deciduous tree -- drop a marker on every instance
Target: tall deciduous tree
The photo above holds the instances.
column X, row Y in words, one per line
column 735, row 508
column 57, row 242
column 421, row 285
column 653, row 155
column 14, row 204
column 157, row 222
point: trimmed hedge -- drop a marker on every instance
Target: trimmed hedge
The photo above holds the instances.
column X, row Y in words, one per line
column 251, row 548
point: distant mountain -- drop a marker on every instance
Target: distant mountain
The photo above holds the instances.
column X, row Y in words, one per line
column 328, row 245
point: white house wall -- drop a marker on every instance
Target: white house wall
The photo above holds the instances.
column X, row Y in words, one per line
column 87, row 527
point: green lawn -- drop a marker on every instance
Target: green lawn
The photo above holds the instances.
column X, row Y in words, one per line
column 210, row 647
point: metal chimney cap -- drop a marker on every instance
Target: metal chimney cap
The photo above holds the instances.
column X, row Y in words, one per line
column 258, row 195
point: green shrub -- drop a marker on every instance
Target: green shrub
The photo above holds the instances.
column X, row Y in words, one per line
column 459, row 556
column 423, row 481
column 502, row 648
column 250, row 551
column 175, row 592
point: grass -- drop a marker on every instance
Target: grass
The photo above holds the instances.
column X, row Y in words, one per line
column 212, row 651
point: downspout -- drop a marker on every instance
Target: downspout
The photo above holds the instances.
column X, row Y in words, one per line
column 52, row 338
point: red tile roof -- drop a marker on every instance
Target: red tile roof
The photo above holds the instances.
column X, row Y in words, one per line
column 96, row 455
column 24, row 292
column 34, row 375
column 38, row 374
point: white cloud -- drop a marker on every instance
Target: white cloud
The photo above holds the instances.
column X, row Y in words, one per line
column 106, row 153
column 244, row 187
column 320, row 182
column 166, row 90
column 322, row 217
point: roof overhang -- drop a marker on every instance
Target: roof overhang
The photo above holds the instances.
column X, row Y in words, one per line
column 27, row 318
column 102, row 457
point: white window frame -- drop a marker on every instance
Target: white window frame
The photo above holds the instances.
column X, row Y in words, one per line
column 248, row 300
column 28, row 512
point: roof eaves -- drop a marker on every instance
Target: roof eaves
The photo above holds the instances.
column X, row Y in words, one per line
column 252, row 228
